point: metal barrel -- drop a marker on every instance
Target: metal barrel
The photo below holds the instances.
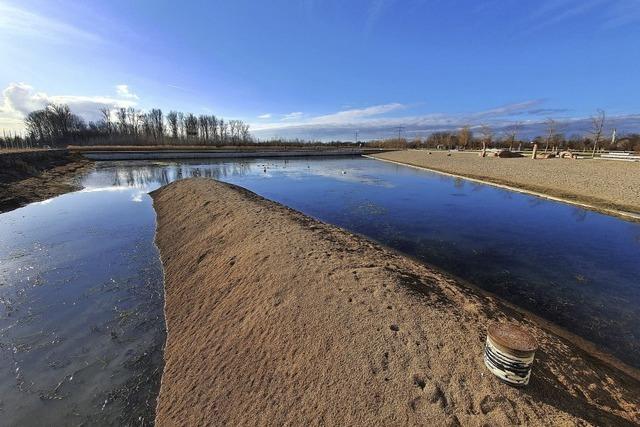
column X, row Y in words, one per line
column 509, row 353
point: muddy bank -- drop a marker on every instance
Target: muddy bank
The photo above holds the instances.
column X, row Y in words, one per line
column 601, row 185
column 276, row 318
column 31, row 176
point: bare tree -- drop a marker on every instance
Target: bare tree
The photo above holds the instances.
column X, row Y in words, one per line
column 156, row 123
column 465, row 136
column 105, row 113
column 597, row 126
column 203, row 125
column 487, row 136
column 512, row 133
column 172, row 120
column 121, row 114
column 551, row 131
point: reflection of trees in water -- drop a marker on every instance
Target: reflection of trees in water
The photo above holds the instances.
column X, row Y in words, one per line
column 139, row 176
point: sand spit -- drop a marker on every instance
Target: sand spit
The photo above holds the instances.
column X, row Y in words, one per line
column 602, row 185
column 31, row 176
column 275, row 318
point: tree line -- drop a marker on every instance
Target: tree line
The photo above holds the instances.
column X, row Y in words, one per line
column 484, row 137
column 57, row 125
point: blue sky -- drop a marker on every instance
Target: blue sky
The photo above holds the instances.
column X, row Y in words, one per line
column 323, row 68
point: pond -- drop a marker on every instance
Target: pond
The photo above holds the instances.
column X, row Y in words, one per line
column 81, row 326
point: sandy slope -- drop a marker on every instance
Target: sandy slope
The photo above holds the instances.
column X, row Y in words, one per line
column 274, row 318
column 604, row 184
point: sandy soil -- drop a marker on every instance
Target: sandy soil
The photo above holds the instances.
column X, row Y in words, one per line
column 602, row 184
column 275, row 318
column 27, row 177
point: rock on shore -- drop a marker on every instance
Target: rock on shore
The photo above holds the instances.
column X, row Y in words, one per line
column 275, row 318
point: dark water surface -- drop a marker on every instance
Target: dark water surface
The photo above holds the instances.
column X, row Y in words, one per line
column 81, row 324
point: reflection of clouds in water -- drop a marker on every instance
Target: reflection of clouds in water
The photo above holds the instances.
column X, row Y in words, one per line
column 44, row 202
column 350, row 176
column 103, row 189
column 136, row 196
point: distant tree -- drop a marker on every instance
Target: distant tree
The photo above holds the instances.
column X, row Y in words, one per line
column 512, row 133
column 203, row 126
column 487, row 137
column 222, row 125
column 465, row 136
column 121, row 115
column 551, row 131
column 156, row 123
column 105, row 113
column 191, row 125
column 172, row 120
column 181, row 125
column 597, row 126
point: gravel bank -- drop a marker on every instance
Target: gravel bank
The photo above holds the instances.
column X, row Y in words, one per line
column 605, row 185
column 274, row 318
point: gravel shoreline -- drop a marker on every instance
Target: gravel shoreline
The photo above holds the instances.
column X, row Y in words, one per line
column 607, row 186
column 275, row 318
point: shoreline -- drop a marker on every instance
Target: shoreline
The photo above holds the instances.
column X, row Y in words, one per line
column 577, row 200
column 33, row 176
column 252, row 295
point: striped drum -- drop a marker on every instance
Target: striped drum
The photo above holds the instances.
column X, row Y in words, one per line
column 509, row 353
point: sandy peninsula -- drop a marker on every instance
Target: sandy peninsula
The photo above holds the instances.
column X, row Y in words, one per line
column 275, row 318
column 605, row 185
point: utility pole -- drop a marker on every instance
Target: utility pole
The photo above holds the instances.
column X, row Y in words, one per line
column 356, row 136
column 399, row 129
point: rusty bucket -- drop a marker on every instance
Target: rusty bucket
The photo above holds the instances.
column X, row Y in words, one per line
column 509, row 353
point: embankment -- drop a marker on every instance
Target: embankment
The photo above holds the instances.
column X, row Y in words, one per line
column 607, row 186
column 31, row 176
column 275, row 318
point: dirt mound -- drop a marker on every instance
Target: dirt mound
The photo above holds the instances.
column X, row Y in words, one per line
column 275, row 318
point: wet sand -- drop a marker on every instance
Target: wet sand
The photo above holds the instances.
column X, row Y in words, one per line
column 599, row 184
column 275, row 318
column 32, row 176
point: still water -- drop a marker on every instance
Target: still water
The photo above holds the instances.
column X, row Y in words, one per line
column 81, row 322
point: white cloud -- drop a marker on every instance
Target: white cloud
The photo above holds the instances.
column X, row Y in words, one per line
column 265, row 116
column 374, row 122
column 347, row 116
column 19, row 99
column 293, row 116
column 123, row 91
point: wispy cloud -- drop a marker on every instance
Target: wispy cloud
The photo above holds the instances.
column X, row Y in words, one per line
column 374, row 13
column 293, row 116
column 611, row 14
column 264, row 116
column 374, row 122
column 348, row 116
column 17, row 22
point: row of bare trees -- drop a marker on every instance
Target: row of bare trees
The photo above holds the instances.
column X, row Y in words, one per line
column 510, row 138
column 56, row 124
